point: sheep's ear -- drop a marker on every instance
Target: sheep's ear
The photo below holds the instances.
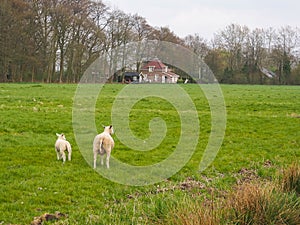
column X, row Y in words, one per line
column 57, row 134
column 103, row 126
column 110, row 126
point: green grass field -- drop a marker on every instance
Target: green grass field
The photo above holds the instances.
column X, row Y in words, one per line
column 262, row 137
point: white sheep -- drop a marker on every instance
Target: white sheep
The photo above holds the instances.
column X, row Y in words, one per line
column 103, row 143
column 62, row 145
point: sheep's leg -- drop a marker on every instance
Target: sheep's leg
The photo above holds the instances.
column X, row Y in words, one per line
column 95, row 159
column 102, row 156
column 63, row 156
column 69, row 156
column 107, row 159
column 58, row 155
column 102, row 152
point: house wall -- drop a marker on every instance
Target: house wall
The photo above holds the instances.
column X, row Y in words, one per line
column 159, row 79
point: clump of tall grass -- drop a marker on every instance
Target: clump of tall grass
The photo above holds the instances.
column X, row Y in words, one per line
column 262, row 203
column 290, row 179
column 190, row 212
column 254, row 202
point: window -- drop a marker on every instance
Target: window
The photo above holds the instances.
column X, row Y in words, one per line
column 151, row 68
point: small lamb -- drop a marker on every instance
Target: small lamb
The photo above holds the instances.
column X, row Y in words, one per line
column 62, row 145
column 103, row 143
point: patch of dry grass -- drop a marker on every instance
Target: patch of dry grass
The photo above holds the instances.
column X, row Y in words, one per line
column 252, row 202
column 294, row 115
column 262, row 203
column 290, row 179
column 195, row 213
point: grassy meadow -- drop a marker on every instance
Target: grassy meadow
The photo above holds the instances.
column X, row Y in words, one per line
column 261, row 146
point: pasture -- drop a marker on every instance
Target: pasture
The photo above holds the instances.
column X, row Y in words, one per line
column 262, row 137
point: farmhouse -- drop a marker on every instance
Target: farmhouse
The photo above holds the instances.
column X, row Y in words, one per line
column 156, row 72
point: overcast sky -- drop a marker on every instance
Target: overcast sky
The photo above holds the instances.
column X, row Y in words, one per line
column 205, row 17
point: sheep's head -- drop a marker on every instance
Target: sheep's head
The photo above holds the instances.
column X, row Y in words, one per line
column 61, row 136
column 109, row 129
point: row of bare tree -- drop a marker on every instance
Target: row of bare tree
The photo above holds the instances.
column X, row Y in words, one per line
column 238, row 54
column 56, row 41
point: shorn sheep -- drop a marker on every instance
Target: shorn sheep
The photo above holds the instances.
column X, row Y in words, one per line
column 61, row 146
column 103, row 143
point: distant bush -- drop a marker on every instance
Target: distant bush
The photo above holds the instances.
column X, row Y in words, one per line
column 180, row 81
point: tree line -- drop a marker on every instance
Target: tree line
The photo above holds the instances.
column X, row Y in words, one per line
column 57, row 40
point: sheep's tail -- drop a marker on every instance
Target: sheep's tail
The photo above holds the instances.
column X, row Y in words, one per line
column 101, row 148
column 100, row 144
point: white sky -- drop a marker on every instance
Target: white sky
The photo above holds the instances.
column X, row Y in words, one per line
column 205, row 17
